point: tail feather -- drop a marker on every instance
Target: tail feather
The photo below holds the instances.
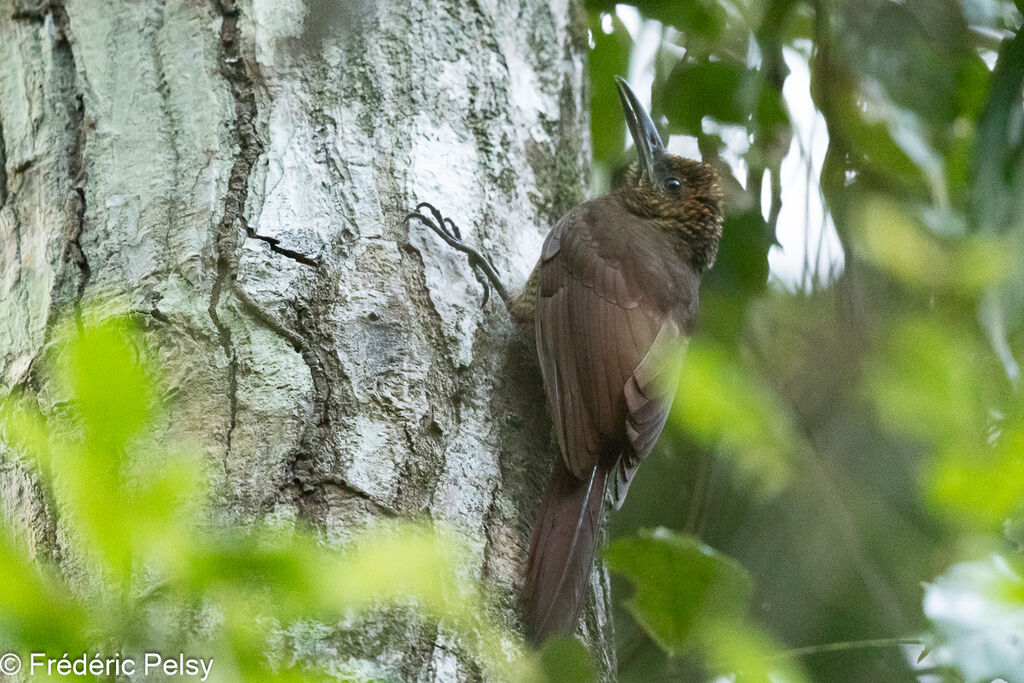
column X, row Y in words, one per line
column 562, row 552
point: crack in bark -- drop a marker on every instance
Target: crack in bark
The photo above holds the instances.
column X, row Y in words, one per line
column 3, row 166
column 262, row 315
column 73, row 240
column 224, row 335
column 75, row 106
column 321, row 370
column 275, row 246
column 316, row 431
column 233, row 71
column 226, row 238
column 318, row 487
column 173, row 201
column 25, row 10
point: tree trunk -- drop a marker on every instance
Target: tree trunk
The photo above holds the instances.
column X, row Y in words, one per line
column 238, row 177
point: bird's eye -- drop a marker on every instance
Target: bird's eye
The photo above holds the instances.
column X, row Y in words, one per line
column 673, row 185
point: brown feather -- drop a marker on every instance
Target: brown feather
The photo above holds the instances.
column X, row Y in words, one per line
column 616, row 291
column 562, row 552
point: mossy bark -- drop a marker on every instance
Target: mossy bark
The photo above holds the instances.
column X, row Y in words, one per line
column 236, row 175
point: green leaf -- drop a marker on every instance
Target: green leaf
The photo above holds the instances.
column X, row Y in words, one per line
column 973, row 79
column 681, row 585
column 878, row 153
column 702, row 19
column 926, row 382
column 108, row 386
column 996, row 199
column 740, row 273
column 608, row 58
column 36, row 607
column 131, row 508
column 566, row 660
column 894, row 239
column 983, row 486
column 698, row 89
column 749, row 654
column 724, row 404
column 1013, row 530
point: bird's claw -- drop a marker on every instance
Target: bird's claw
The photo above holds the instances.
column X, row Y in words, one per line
column 446, row 229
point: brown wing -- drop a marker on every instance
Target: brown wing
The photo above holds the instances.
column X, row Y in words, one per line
column 595, row 332
column 649, row 393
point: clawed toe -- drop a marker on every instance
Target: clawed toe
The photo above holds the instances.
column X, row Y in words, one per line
column 446, row 229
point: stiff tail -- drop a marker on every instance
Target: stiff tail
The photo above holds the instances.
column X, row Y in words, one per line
column 562, row 552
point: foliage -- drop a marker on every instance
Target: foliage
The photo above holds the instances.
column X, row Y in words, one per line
column 680, row 583
column 850, row 437
column 158, row 575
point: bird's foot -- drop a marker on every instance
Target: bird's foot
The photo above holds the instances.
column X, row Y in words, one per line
column 450, row 233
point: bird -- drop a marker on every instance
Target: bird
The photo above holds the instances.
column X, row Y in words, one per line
column 612, row 300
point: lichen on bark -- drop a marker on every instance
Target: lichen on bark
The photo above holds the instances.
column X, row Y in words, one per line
column 236, row 174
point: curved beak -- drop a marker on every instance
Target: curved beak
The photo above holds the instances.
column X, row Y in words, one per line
column 645, row 136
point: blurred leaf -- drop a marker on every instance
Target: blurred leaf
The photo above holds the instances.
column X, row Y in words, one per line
column 698, row 89
column 997, row 198
column 608, row 58
column 566, row 660
column 913, row 51
column 934, row 382
column 982, row 486
column 771, row 111
column 166, row 496
column 739, row 274
column 749, row 654
column 135, row 513
column 896, row 241
column 973, row 80
column 977, row 609
column 724, row 404
column 36, row 607
column 1013, row 529
column 699, row 19
column 23, row 428
column 680, row 585
column 426, row 570
column 108, row 387
column 959, row 175
column 726, row 91
column 996, row 309
column 927, row 381
column 878, row 155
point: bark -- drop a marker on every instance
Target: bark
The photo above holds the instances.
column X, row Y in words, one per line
column 237, row 177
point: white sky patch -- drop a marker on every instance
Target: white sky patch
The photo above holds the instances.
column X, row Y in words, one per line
column 630, row 17
column 810, row 249
column 737, row 143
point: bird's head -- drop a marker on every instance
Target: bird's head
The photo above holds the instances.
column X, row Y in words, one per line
column 680, row 195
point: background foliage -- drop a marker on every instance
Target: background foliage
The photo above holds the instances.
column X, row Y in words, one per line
column 839, row 494
column 851, row 438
